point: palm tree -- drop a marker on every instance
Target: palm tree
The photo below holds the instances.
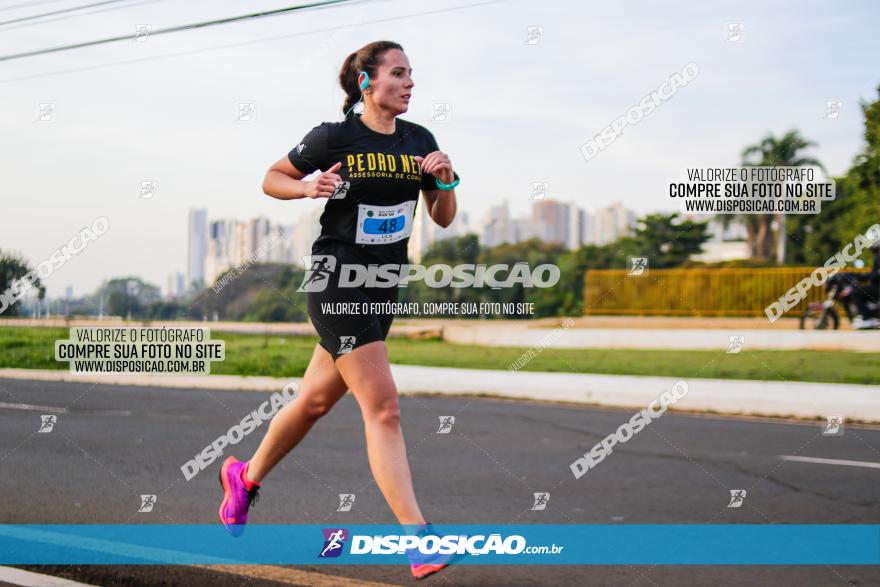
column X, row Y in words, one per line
column 781, row 152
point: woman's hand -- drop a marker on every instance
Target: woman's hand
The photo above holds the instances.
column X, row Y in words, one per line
column 325, row 184
column 438, row 165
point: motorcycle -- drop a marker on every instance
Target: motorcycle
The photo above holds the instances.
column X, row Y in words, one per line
column 841, row 289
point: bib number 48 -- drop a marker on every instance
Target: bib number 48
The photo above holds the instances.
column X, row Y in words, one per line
column 384, row 224
column 388, row 226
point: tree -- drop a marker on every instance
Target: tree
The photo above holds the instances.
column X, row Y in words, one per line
column 663, row 238
column 533, row 252
column 129, row 297
column 451, row 251
column 272, row 306
column 862, row 182
column 260, row 292
column 668, row 242
column 459, row 249
column 855, row 207
column 12, row 268
column 467, row 250
column 567, row 297
column 779, row 152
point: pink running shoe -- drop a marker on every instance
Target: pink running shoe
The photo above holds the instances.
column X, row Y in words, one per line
column 238, row 495
column 423, row 565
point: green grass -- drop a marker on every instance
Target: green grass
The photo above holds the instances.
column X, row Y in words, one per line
column 820, row 366
column 287, row 356
column 246, row 354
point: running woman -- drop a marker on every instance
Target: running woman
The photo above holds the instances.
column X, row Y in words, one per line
column 372, row 167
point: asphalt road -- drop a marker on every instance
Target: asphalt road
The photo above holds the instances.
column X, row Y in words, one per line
column 112, row 443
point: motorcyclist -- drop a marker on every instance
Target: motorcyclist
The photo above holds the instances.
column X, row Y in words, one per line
column 867, row 293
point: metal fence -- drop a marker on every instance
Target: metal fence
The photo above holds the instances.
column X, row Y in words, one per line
column 695, row 292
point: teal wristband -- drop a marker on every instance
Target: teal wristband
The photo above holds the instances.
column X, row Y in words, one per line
column 447, row 186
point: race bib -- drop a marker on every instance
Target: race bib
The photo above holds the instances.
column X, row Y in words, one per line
column 384, row 224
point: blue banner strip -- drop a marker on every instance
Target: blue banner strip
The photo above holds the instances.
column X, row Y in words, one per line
column 627, row 544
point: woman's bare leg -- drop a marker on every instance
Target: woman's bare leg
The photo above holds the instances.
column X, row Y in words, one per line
column 322, row 387
column 368, row 375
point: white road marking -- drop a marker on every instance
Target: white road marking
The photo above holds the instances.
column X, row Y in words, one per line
column 50, row 409
column 29, row 579
column 865, row 464
column 54, row 410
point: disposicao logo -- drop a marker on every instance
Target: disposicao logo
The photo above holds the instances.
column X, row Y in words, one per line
column 334, row 541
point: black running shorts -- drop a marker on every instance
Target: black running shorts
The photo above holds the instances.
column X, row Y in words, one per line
column 337, row 313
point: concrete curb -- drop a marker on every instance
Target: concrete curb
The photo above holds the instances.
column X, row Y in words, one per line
column 525, row 334
column 732, row 397
column 219, row 382
column 736, row 397
column 652, row 338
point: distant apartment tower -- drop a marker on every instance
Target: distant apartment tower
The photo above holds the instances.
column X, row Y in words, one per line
column 550, row 219
column 233, row 243
column 426, row 232
column 523, row 229
column 197, row 247
column 285, row 250
column 421, row 236
column 308, row 229
column 256, row 231
column 223, row 247
column 267, row 241
column 612, row 223
column 577, row 225
column 176, row 286
column 497, row 226
column 589, row 229
column 624, row 219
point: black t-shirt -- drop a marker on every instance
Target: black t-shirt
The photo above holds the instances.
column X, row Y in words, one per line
column 374, row 208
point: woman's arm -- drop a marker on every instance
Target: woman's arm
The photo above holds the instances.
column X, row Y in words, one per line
column 283, row 181
column 441, row 203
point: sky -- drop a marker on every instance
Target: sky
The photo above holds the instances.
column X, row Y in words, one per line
column 164, row 109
